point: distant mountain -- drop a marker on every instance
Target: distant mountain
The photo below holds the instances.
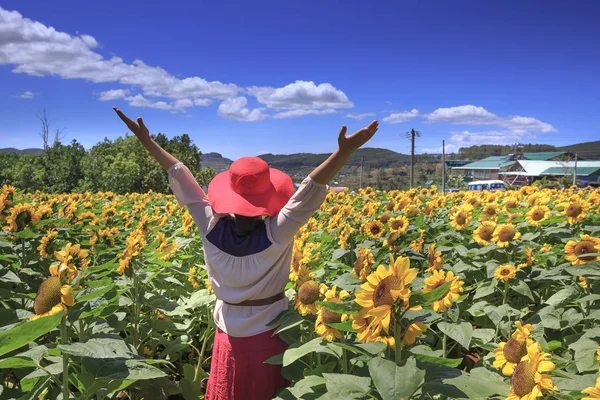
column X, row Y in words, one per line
column 32, row 151
column 587, row 150
column 299, row 163
column 215, row 161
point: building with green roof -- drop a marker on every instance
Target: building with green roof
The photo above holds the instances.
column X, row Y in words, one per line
column 490, row 167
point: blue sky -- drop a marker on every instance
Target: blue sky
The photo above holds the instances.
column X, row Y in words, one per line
column 282, row 77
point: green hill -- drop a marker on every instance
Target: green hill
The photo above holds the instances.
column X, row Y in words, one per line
column 32, row 151
column 587, row 150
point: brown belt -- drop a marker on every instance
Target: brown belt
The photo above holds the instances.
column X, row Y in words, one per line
column 259, row 302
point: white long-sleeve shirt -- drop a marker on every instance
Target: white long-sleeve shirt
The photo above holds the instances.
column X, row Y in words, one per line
column 252, row 267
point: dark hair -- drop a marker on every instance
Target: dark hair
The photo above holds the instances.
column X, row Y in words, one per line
column 244, row 225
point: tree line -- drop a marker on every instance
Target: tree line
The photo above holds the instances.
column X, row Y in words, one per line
column 120, row 166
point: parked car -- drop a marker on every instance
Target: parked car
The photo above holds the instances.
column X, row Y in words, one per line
column 453, row 190
column 491, row 185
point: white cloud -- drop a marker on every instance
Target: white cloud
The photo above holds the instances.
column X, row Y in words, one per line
column 235, row 108
column 26, row 95
column 36, row 49
column 301, row 95
column 301, row 113
column 202, row 102
column 113, row 94
column 389, row 103
column 473, row 115
column 360, row 116
column 140, row 101
column 401, row 116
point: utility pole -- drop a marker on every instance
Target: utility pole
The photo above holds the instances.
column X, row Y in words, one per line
column 575, row 171
column 443, row 166
column 362, row 160
column 411, row 135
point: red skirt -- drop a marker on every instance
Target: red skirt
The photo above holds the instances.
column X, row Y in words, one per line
column 238, row 371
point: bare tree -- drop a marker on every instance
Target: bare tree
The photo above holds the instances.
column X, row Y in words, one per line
column 45, row 133
column 45, row 128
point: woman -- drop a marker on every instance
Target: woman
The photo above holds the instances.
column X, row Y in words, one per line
column 248, row 255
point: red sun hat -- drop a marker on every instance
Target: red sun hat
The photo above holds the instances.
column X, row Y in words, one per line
column 250, row 188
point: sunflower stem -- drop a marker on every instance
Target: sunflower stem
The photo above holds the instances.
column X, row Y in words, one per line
column 64, row 339
column 444, row 338
column 23, row 254
column 398, row 342
column 505, row 292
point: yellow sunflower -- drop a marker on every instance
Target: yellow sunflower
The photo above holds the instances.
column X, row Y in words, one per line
column 575, row 250
column 490, row 212
column 462, row 217
column 411, row 211
column 46, row 247
column 53, row 295
column 437, row 279
column 398, row 225
column 511, row 203
column 417, row 244
column 373, row 228
column 508, row 354
column 362, row 265
column 306, row 298
column 530, row 377
column 434, row 259
column 575, row 211
column 326, row 317
column 192, row 278
column 73, row 256
column 504, row 234
column 593, row 392
column 382, row 289
column 545, row 248
column 505, row 272
column 414, row 330
column 484, row 233
column 537, row 214
column 21, row 216
column 530, row 258
column 584, row 283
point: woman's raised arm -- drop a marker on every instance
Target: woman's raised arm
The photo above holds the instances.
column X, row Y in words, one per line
column 325, row 172
column 165, row 159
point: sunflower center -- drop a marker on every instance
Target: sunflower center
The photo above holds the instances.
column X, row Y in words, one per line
column 334, row 210
column 23, row 219
column 413, row 211
column 573, row 210
column 505, row 272
column 537, row 215
column 385, row 218
column 330, row 317
column 486, row 233
column 506, row 233
column 390, row 206
column 461, row 218
column 490, row 210
column 382, row 295
column 585, row 247
column 523, row 380
column 396, row 224
column 511, row 204
column 308, row 292
column 48, row 295
column 514, row 350
column 375, row 229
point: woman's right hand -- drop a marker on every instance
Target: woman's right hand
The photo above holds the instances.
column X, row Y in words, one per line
column 349, row 144
column 139, row 129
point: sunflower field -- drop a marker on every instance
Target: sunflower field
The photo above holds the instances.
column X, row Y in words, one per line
column 393, row 295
